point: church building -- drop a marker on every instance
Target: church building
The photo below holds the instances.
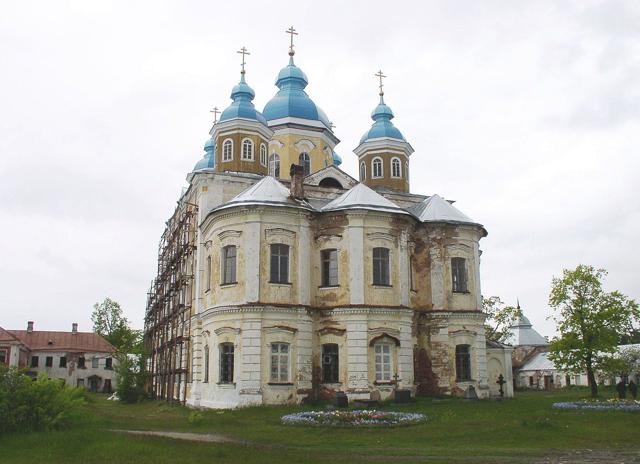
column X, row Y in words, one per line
column 283, row 278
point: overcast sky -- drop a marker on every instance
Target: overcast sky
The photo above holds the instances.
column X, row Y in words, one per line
column 525, row 113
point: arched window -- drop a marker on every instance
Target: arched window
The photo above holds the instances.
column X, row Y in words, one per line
column 363, row 171
column 247, row 150
column 274, row 165
column 208, row 274
column 396, row 170
column 206, row 363
column 263, row 154
column 227, row 150
column 463, row 363
column 376, row 167
column 305, row 162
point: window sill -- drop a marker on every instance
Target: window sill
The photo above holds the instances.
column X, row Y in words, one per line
column 280, row 384
column 226, row 386
column 322, row 287
column 283, row 284
column 382, row 285
column 388, row 383
column 228, row 284
column 466, row 292
column 227, row 161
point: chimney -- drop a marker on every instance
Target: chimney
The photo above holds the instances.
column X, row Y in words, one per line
column 74, row 328
column 29, row 326
column 297, row 174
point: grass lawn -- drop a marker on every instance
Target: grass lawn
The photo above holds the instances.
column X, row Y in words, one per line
column 524, row 429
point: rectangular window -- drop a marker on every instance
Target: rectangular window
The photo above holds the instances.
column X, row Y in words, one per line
column 329, row 267
column 48, row 361
column 381, row 266
column 382, row 353
column 279, row 362
column 206, row 364
column 63, row 361
column 208, row 273
column 463, row 363
column 229, row 265
column 107, row 386
column 34, row 361
column 4, row 356
column 330, row 360
column 531, row 381
column 94, row 363
column 81, row 363
column 279, row 264
column 108, row 363
column 226, row 362
column 80, row 383
column 459, row 275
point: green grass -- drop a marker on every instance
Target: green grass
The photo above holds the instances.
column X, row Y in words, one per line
column 516, row 430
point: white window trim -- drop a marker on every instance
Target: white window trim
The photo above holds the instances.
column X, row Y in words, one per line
column 275, row 157
column 223, row 150
column 253, row 151
column 264, row 155
column 391, row 354
column 288, row 379
column 373, row 169
column 399, row 168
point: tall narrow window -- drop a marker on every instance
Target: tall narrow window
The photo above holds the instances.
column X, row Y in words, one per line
column 396, row 169
column 463, row 363
column 376, row 167
column 229, row 264
column 279, row 362
column 63, row 361
column 329, row 267
column 4, row 356
column 48, row 362
column 459, row 275
column 381, row 266
column 94, row 363
column 81, row 362
column 363, row 171
column 406, row 170
column 382, row 352
column 34, row 361
column 247, row 150
column 305, row 162
column 279, row 264
column 227, row 150
column 330, row 366
column 274, row 165
column 263, row 154
column 226, row 362
column 108, row 363
column 206, row 364
column 207, row 274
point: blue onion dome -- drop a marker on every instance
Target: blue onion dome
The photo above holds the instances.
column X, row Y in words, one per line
column 337, row 159
column 242, row 106
column 291, row 99
column 382, row 126
column 209, row 159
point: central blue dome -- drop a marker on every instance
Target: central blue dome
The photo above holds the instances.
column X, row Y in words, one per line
column 382, row 126
column 242, row 106
column 291, row 100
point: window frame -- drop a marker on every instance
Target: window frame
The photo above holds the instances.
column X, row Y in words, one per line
column 226, row 363
column 82, row 362
column 62, row 362
column 329, row 263
column 95, row 363
column 463, row 363
column 225, row 144
column 381, row 277
column 247, row 154
column 205, row 377
column 283, row 358
column 363, row 171
column 274, row 165
column 263, row 155
column 5, row 354
column 386, row 360
column 330, row 374
column 459, row 275
column 48, row 361
column 207, row 272
column 226, row 276
column 282, row 276
column 377, row 161
column 395, row 163
column 108, row 363
column 35, row 360
column 304, row 160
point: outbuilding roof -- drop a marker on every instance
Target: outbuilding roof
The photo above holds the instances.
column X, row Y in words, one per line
column 41, row 340
column 525, row 334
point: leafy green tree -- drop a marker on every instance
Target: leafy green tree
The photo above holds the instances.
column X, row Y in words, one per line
column 109, row 321
column 589, row 321
column 499, row 319
column 624, row 362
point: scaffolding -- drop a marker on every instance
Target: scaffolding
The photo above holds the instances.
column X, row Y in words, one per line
column 169, row 307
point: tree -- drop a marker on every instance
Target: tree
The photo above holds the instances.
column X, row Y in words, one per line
column 589, row 321
column 624, row 362
column 109, row 322
column 499, row 319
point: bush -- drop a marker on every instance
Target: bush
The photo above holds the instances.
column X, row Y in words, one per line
column 131, row 379
column 28, row 405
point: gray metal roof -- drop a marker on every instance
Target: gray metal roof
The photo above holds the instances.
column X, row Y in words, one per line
column 362, row 197
column 525, row 334
column 268, row 191
column 540, row 362
column 437, row 209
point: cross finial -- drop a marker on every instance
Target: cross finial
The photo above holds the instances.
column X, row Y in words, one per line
column 243, row 51
column 331, row 125
column 380, row 76
column 291, row 31
column 215, row 112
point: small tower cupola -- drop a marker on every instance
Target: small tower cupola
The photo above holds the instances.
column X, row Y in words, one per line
column 383, row 153
column 241, row 136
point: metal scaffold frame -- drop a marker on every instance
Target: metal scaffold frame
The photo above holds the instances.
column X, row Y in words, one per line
column 169, row 306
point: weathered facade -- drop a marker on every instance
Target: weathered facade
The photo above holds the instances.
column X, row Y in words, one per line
column 306, row 281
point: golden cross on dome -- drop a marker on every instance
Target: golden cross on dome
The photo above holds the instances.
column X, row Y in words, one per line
column 380, row 76
column 243, row 51
column 215, row 112
column 292, row 32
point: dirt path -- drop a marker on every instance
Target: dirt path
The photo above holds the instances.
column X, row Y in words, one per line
column 204, row 437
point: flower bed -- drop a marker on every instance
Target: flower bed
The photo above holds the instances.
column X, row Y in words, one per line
column 615, row 404
column 355, row 418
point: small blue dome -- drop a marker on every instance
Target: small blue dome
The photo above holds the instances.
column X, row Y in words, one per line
column 242, row 106
column 209, row 159
column 382, row 126
column 291, row 100
column 337, row 159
